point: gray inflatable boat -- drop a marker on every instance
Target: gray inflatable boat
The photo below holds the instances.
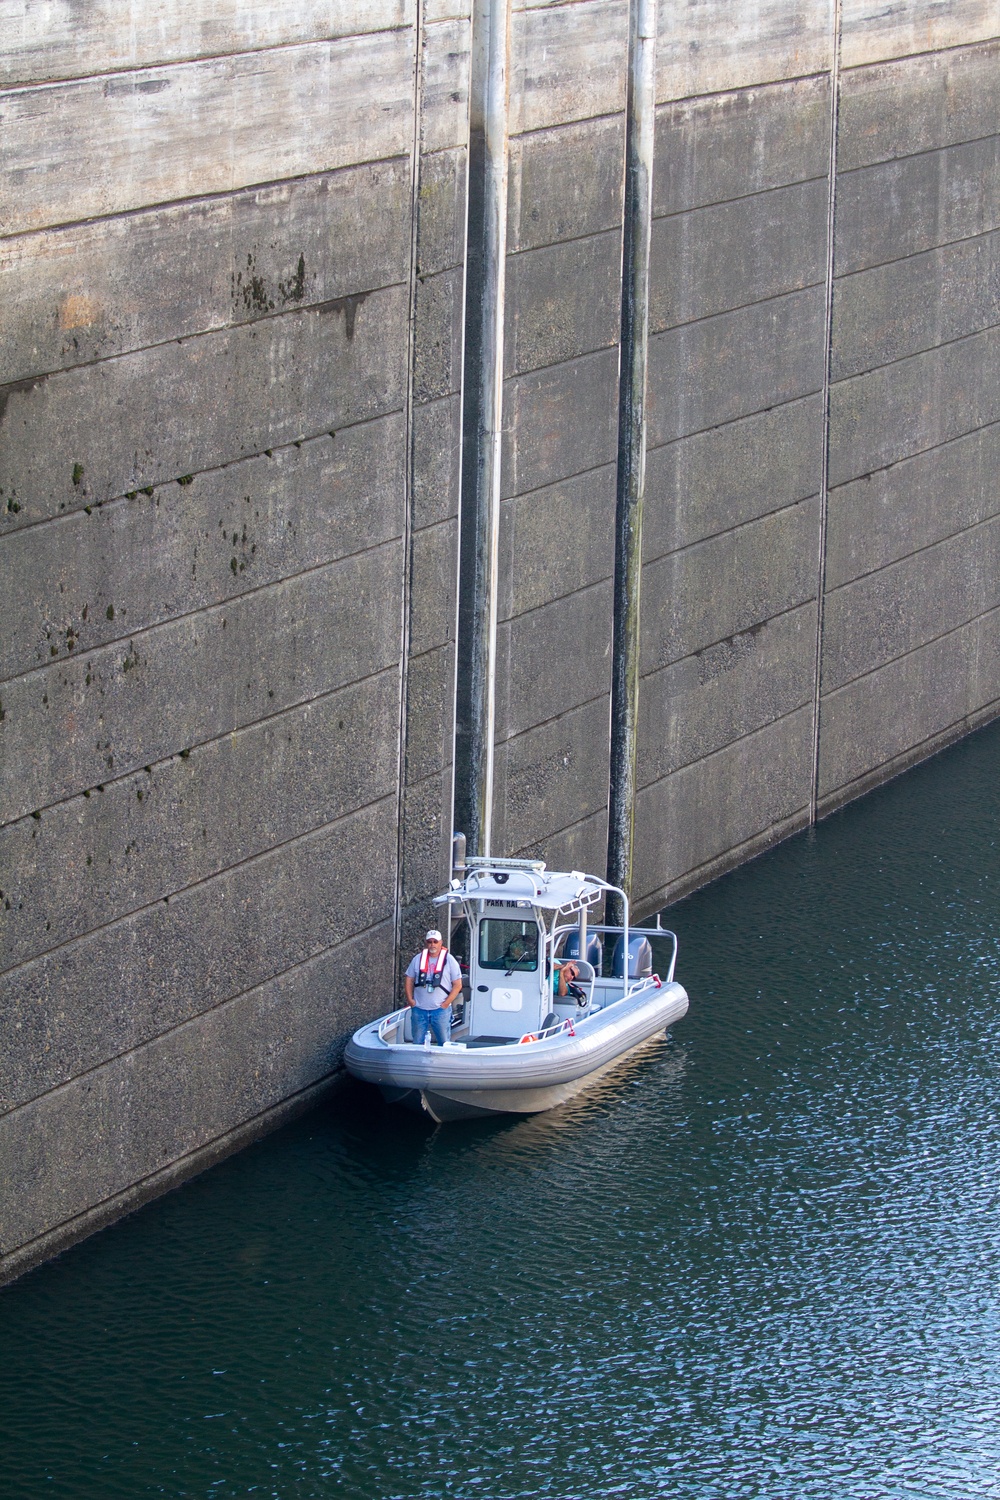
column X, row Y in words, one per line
column 518, row 1046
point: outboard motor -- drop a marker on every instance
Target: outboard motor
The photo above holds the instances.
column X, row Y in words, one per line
column 571, row 948
column 640, row 957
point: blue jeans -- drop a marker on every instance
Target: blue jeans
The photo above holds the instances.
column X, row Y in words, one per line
column 439, row 1021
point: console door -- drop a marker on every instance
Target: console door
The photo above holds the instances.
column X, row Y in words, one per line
column 506, row 972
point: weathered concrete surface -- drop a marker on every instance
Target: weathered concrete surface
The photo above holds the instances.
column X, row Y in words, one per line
column 731, row 536
column 229, row 427
column 911, row 558
column 106, row 1132
column 233, row 245
column 61, row 41
column 91, row 434
column 83, row 292
column 97, row 146
column 430, row 587
column 560, row 428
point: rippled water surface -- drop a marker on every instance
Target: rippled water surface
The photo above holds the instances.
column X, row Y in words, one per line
column 762, row 1260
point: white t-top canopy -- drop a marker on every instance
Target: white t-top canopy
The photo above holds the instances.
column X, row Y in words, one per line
column 528, row 881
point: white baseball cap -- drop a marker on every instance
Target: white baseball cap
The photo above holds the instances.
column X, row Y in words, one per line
column 432, row 936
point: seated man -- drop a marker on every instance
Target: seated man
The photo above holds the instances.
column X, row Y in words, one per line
column 564, row 985
column 522, row 952
column 433, row 981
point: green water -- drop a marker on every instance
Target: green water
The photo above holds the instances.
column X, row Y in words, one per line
column 760, row 1261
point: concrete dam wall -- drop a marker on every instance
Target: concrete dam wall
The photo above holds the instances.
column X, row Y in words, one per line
column 235, row 534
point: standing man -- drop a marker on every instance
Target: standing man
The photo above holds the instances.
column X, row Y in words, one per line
column 433, row 981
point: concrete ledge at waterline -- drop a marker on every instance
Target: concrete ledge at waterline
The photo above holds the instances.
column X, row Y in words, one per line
column 26, row 1257
column 645, row 906
column 90, row 1141
column 909, row 758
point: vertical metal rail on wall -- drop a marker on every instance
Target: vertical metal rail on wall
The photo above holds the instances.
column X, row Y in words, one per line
column 482, row 390
column 824, row 479
column 639, row 145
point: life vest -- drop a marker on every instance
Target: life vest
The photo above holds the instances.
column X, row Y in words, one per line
column 429, row 973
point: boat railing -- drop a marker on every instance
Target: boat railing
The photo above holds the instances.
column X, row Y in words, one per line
column 567, row 1025
column 391, row 1022
column 651, row 932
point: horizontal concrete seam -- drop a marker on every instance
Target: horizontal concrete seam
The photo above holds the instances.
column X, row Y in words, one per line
column 518, row 371
column 556, row 833
column 584, row 588
column 555, row 364
column 903, row 557
column 961, row 338
column 551, row 484
column 744, row 88
column 726, row 312
column 250, row 859
column 416, row 656
column 429, row 777
column 437, row 525
column 728, row 859
column 777, row 187
column 449, row 519
column 570, row 359
column 134, row 1192
column 565, row 125
column 713, row 536
column 677, row 661
column 205, row 609
column 196, row 59
column 913, row 453
column 216, row 196
column 138, row 768
column 571, row 239
column 888, row 62
column 696, row 760
column 905, row 458
column 551, row 5
column 936, row 249
column 206, row 333
column 887, row 161
column 788, row 609
column 454, row 150
column 892, row 661
column 128, row 497
column 731, row 421
column 564, row 713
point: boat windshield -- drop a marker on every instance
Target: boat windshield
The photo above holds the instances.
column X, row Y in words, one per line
column 508, row 945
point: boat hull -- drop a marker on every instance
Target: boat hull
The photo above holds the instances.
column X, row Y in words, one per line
column 453, row 1082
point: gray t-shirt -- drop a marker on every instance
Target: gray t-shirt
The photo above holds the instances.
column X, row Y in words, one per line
column 427, row 998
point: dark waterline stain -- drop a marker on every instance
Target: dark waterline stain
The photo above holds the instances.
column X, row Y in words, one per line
column 758, row 1261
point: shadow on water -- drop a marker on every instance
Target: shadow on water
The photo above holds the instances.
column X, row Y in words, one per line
column 758, row 1259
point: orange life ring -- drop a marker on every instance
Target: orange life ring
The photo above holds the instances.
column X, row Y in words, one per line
column 529, row 1036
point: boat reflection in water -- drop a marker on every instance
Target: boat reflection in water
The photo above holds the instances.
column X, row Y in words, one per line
column 519, row 1046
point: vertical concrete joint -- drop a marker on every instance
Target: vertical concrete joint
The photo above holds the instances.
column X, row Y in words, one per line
column 824, row 483
column 482, row 394
column 639, row 143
